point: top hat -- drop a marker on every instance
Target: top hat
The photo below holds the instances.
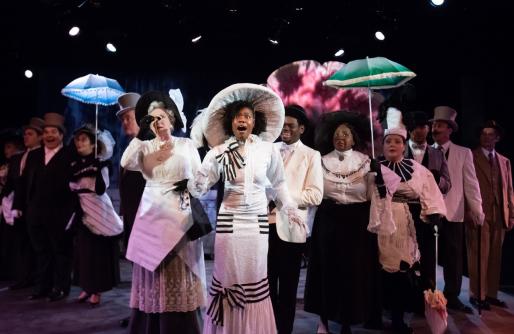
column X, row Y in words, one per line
column 36, row 124
column 446, row 114
column 54, row 120
column 127, row 102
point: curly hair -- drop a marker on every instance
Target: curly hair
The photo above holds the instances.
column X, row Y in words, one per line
column 231, row 111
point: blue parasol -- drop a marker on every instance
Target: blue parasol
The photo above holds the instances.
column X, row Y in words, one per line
column 94, row 89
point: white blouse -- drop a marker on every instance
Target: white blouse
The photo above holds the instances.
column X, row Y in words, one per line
column 347, row 180
column 246, row 192
column 162, row 164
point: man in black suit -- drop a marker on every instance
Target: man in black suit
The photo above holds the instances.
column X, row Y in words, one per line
column 48, row 204
column 418, row 149
column 22, row 252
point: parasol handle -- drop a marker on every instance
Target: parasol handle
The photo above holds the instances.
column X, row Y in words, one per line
column 96, row 130
column 371, row 123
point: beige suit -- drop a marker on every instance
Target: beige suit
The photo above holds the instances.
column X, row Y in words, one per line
column 495, row 180
column 304, row 177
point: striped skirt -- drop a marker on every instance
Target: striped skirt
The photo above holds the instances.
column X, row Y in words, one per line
column 239, row 300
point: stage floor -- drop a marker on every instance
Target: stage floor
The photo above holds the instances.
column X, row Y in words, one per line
column 19, row 315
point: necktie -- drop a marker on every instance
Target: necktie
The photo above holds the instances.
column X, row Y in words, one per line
column 491, row 159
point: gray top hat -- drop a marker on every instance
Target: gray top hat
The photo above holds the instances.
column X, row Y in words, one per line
column 127, row 102
column 36, row 124
column 446, row 114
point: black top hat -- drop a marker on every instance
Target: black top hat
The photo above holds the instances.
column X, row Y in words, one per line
column 147, row 98
column 416, row 118
column 297, row 112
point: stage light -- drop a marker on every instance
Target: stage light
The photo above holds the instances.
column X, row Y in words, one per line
column 196, row 39
column 380, row 35
column 233, row 10
column 299, row 9
column 273, row 41
column 436, row 3
column 110, row 47
column 74, row 31
column 339, row 53
column 29, row 74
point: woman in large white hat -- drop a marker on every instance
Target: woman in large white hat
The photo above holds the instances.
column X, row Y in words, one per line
column 168, row 277
column 241, row 123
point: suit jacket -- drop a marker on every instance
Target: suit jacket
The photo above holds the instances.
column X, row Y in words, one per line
column 304, row 177
column 45, row 197
column 434, row 160
column 13, row 175
column 465, row 188
column 484, row 179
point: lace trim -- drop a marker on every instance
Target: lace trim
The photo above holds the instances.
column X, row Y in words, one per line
column 345, row 175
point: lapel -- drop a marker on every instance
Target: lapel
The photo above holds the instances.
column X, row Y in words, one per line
column 408, row 152
column 502, row 164
column 482, row 163
column 426, row 157
column 56, row 158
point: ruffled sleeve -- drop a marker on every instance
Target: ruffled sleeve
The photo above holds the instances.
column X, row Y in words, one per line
column 430, row 197
column 381, row 213
column 205, row 176
column 276, row 176
column 132, row 158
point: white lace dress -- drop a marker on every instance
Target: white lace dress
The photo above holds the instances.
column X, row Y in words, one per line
column 169, row 271
column 239, row 300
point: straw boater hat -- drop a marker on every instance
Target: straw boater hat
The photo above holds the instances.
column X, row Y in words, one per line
column 446, row 114
column 54, row 120
column 127, row 102
column 147, row 98
column 263, row 99
column 329, row 122
column 36, row 124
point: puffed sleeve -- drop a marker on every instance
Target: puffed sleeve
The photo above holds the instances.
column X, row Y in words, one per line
column 431, row 198
column 205, row 176
column 381, row 213
column 276, row 176
column 132, row 157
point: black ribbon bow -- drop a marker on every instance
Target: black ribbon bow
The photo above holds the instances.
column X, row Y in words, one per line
column 230, row 159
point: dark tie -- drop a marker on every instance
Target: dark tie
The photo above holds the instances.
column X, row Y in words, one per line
column 491, row 159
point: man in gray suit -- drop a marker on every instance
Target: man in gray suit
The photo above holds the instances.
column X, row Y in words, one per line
column 417, row 123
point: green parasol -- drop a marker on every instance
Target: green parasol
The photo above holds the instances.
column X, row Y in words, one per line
column 372, row 73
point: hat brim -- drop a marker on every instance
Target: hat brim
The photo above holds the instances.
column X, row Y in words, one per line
column 330, row 121
column 452, row 124
column 263, row 99
column 35, row 128
column 124, row 110
column 147, row 98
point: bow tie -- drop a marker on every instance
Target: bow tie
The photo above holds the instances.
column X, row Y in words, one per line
column 419, row 146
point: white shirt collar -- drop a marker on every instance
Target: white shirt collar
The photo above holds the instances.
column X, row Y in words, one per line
column 411, row 143
column 486, row 152
column 445, row 145
column 53, row 150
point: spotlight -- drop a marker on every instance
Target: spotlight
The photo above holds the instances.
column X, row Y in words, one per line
column 196, row 39
column 299, row 9
column 273, row 41
column 436, row 3
column 339, row 53
column 74, row 31
column 110, row 47
column 233, row 10
column 28, row 74
column 380, row 35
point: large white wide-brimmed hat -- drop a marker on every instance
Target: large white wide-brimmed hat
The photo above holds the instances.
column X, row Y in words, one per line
column 263, row 99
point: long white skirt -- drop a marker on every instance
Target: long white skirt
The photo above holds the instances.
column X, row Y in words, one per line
column 239, row 300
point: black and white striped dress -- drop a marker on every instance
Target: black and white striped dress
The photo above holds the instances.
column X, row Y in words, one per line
column 239, row 300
